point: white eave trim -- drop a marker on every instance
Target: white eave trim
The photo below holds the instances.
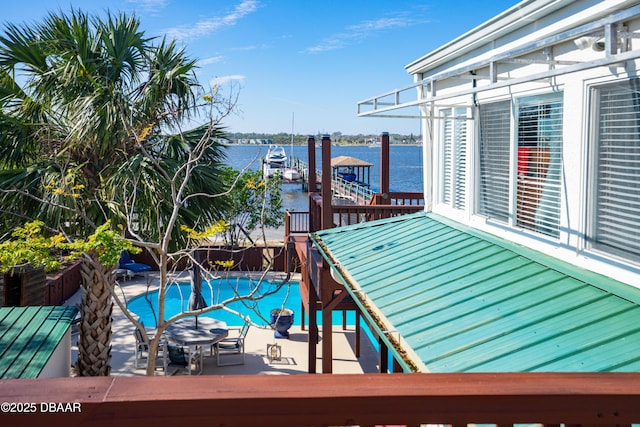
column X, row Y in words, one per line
column 557, row 33
column 509, row 21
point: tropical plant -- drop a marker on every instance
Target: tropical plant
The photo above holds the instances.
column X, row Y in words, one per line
column 91, row 117
column 101, row 251
column 29, row 245
column 254, row 202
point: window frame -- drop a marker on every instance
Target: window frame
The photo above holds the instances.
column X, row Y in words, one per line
column 594, row 163
column 482, row 207
column 546, row 216
column 454, row 167
column 508, row 208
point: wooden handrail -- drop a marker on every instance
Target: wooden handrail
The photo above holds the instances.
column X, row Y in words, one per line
column 354, row 214
column 399, row 198
column 305, row 222
column 296, row 222
column 368, row 399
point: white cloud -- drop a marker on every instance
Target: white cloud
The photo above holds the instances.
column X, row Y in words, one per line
column 210, row 60
column 380, row 24
column 361, row 31
column 149, row 5
column 244, row 48
column 211, row 25
column 219, row 81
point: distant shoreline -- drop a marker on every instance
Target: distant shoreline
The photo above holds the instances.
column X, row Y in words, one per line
column 332, row 144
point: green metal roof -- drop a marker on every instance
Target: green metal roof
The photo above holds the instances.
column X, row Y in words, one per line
column 29, row 336
column 465, row 301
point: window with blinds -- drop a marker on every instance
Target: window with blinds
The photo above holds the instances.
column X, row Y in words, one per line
column 495, row 139
column 615, row 219
column 539, row 162
column 454, row 157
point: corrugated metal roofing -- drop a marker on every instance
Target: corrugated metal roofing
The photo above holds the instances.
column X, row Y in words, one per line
column 466, row 301
column 29, row 336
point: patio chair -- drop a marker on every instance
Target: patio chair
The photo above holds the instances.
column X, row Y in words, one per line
column 182, row 358
column 142, row 347
column 126, row 263
column 232, row 347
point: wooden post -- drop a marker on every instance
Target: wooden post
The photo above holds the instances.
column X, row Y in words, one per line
column 328, row 304
column 327, row 214
column 357, row 333
column 312, row 300
column 383, row 356
column 311, row 154
column 384, row 166
column 313, row 329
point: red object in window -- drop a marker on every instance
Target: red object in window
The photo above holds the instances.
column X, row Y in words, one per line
column 524, row 159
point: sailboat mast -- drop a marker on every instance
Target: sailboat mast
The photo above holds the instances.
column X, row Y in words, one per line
column 292, row 120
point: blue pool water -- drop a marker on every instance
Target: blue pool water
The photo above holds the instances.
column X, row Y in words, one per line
column 218, row 290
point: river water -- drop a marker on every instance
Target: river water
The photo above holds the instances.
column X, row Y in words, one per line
column 405, row 163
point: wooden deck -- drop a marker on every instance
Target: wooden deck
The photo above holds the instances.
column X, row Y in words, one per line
column 603, row 399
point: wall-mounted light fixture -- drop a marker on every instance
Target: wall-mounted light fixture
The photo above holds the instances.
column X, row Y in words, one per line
column 618, row 35
column 587, row 42
column 599, row 45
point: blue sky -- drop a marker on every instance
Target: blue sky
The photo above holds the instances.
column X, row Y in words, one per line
column 311, row 60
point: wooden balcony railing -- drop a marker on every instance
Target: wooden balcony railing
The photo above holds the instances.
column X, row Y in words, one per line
column 355, row 214
column 399, row 198
column 381, row 207
column 326, row 400
column 352, row 191
column 296, row 222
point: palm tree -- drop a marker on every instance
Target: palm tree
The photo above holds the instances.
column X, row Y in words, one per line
column 91, row 116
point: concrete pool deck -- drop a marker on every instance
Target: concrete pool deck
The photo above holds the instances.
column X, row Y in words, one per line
column 294, row 350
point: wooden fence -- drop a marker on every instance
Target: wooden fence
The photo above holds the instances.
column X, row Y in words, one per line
column 56, row 289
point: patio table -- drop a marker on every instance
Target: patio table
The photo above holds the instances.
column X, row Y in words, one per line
column 208, row 332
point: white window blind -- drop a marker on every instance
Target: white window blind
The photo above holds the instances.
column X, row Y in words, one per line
column 539, row 164
column 615, row 224
column 454, row 156
column 447, row 158
column 495, row 136
column 460, row 159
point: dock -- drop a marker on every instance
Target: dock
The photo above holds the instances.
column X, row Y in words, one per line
column 344, row 190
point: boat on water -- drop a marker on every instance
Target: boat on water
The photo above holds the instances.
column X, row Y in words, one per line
column 347, row 174
column 373, row 143
column 274, row 162
column 290, row 174
column 276, row 156
column 277, row 163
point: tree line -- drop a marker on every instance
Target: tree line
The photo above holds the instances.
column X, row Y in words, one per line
column 284, row 138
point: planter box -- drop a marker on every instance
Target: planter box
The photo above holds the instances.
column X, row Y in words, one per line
column 24, row 286
column 64, row 284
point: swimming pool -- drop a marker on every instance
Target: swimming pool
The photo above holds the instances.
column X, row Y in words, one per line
column 217, row 290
